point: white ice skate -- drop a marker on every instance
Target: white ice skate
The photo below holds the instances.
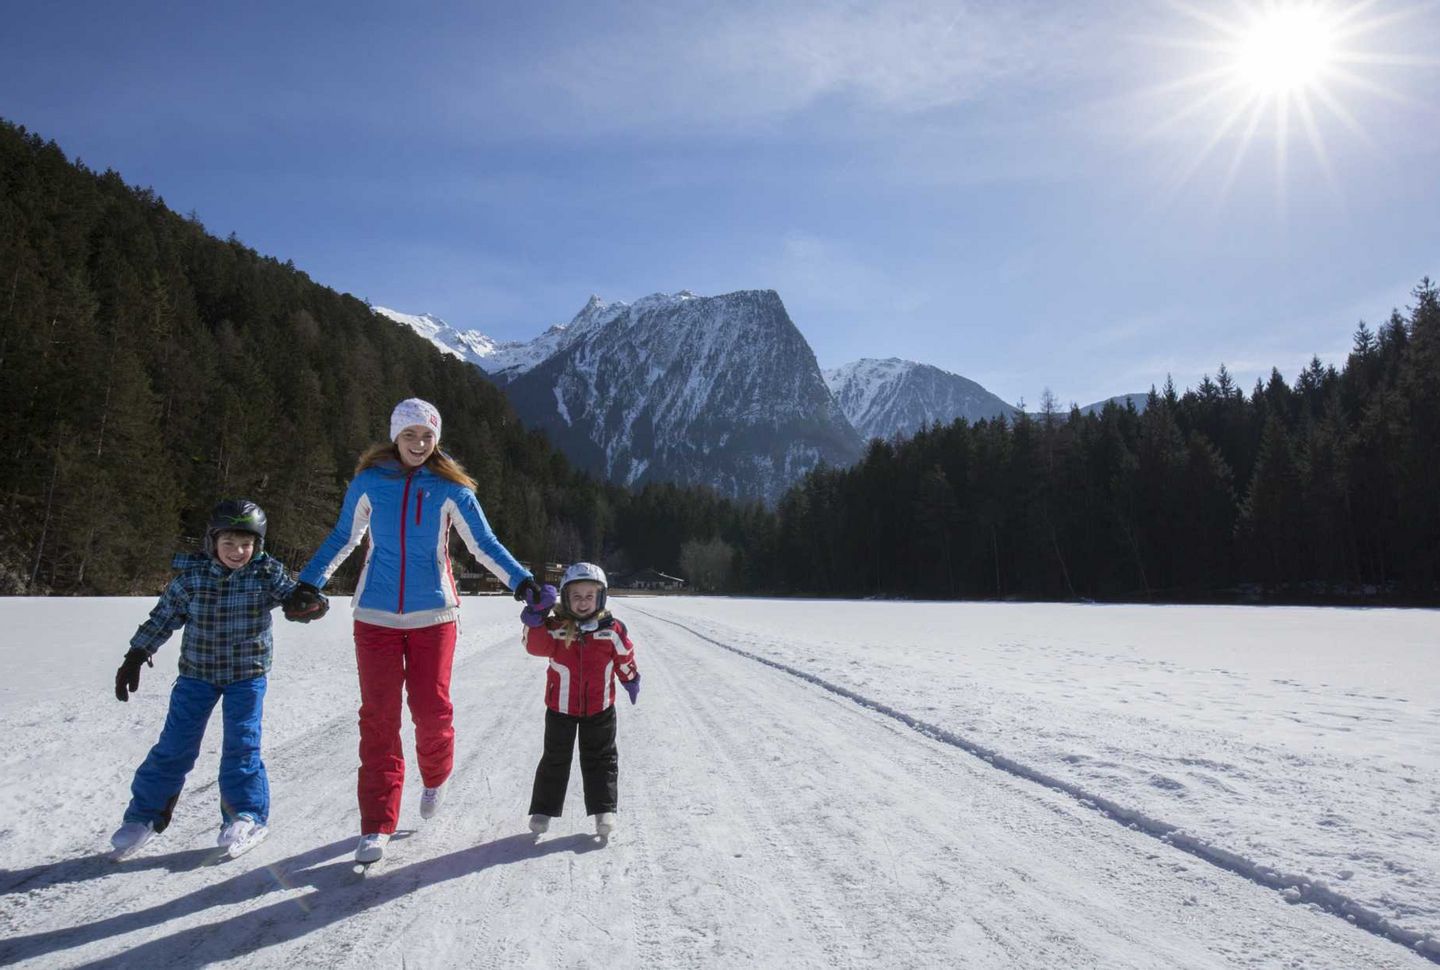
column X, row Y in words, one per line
column 539, row 824
column 241, row 835
column 371, row 848
column 604, row 824
column 430, row 800
column 129, row 837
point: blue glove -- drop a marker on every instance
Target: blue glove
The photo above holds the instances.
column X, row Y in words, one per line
column 632, row 687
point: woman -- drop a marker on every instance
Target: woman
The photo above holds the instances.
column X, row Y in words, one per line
column 408, row 494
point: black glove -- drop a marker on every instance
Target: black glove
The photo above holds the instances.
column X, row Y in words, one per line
column 305, row 603
column 127, row 678
column 527, row 590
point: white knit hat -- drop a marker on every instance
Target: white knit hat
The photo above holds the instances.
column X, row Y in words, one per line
column 410, row 411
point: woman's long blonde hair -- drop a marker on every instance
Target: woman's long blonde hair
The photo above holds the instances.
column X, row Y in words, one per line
column 388, row 452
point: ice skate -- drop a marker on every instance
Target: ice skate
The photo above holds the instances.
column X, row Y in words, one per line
column 129, row 837
column 539, row 824
column 604, row 824
column 240, row 836
column 370, row 849
column 430, row 800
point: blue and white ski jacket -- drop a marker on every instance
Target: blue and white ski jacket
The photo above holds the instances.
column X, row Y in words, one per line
column 407, row 581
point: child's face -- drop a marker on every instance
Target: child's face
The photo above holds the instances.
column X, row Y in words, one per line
column 416, row 443
column 234, row 549
column 581, row 597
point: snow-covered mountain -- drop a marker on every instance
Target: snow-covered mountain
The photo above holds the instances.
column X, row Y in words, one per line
column 468, row 345
column 721, row 391
column 883, row 398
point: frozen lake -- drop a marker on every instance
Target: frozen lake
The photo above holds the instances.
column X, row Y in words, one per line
column 803, row 784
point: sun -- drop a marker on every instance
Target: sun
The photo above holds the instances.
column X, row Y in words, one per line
column 1286, row 50
column 1276, row 72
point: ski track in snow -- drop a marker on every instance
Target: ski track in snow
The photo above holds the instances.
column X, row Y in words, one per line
column 1294, row 888
column 766, row 819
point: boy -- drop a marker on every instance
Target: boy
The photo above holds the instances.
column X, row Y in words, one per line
column 588, row 649
column 223, row 598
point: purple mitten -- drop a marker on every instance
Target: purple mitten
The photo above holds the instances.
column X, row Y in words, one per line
column 632, row 687
column 539, row 608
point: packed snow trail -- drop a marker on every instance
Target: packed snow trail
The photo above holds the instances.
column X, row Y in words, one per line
column 1295, row 888
column 764, row 821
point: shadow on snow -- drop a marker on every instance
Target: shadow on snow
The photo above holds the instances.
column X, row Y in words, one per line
column 337, row 895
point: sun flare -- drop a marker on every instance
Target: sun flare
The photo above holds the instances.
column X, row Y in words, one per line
column 1276, row 71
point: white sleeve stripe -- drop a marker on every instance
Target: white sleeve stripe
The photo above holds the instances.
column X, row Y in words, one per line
column 359, row 523
column 442, row 561
column 468, row 537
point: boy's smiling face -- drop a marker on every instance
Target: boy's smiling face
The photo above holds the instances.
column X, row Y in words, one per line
column 416, row 443
column 234, row 549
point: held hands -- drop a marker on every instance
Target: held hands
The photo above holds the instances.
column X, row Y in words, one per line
column 305, row 603
column 127, row 678
column 527, row 590
column 632, row 687
column 540, row 603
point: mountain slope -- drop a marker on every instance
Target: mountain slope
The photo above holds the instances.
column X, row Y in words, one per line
column 883, row 398
column 720, row 391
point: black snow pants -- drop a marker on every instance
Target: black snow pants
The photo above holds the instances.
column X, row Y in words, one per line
column 599, row 763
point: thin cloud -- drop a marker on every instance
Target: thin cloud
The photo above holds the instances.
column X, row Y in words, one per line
column 762, row 62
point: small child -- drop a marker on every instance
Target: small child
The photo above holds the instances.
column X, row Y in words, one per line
column 223, row 598
column 588, row 649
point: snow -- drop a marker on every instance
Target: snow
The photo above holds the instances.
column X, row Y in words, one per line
column 883, row 398
column 468, row 345
column 803, row 784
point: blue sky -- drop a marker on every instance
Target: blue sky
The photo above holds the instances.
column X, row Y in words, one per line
column 1033, row 195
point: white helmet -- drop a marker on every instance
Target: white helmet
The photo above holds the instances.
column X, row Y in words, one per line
column 589, row 572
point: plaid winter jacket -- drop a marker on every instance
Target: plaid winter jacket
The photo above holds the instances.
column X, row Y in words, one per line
column 226, row 615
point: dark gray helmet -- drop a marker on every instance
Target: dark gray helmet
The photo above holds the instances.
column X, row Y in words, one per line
column 235, row 515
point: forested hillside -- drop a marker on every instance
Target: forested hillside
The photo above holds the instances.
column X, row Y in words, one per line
column 148, row 369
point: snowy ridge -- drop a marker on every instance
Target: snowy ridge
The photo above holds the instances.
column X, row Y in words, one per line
column 471, row 346
column 719, row 391
column 1294, row 888
column 884, row 398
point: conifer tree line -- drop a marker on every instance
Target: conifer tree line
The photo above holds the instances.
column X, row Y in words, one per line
column 1327, row 489
column 148, row 369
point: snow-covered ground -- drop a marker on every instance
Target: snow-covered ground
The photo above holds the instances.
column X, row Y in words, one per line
column 803, row 784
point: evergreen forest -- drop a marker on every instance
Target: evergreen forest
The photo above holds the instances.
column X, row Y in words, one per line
column 148, row 369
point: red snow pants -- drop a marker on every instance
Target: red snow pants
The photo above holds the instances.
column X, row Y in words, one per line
column 419, row 662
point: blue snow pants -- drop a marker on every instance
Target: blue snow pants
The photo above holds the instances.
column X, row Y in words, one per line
column 244, row 789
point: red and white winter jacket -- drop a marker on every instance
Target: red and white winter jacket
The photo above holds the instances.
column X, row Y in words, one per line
column 581, row 677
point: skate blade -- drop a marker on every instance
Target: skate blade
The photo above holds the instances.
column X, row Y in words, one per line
column 236, row 849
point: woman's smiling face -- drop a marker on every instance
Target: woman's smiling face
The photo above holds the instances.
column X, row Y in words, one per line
column 416, row 443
